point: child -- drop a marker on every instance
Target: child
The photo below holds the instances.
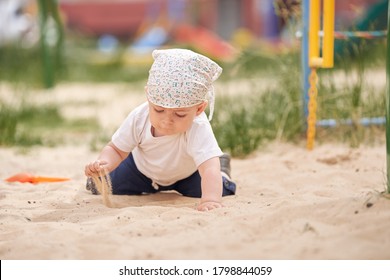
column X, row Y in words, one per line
column 167, row 143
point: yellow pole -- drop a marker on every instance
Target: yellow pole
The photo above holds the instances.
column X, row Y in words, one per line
column 314, row 39
column 315, row 61
column 312, row 110
column 328, row 39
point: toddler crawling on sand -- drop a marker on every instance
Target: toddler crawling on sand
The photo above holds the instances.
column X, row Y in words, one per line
column 167, row 143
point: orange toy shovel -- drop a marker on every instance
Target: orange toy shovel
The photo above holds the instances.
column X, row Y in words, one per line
column 29, row 178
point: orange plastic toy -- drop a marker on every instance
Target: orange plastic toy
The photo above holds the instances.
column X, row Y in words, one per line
column 29, row 178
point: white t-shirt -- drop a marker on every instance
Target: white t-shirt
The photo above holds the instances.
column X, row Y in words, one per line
column 166, row 159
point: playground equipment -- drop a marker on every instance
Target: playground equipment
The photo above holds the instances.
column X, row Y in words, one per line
column 164, row 24
column 310, row 57
column 313, row 35
column 388, row 104
column 326, row 61
column 315, row 60
column 204, row 40
column 154, row 30
column 374, row 19
column 51, row 57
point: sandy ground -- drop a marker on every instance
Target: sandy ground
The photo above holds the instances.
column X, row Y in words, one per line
column 291, row 203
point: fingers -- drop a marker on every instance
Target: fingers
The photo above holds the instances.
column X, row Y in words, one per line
column 93, row 168
column 209, row 205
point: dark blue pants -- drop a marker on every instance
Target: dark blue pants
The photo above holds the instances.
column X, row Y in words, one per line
column 128, row 180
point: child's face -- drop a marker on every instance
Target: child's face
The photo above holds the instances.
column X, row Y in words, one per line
column 168, row 121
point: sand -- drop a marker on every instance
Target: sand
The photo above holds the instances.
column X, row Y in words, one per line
column 290, row 203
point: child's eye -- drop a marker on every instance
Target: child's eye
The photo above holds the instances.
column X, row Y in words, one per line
column 181, row 115
column 158, row 111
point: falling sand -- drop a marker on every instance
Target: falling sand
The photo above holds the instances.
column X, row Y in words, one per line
column 103, row 185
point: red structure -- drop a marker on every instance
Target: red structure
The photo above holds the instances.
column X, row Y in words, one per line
column 127, row 18
column 118, row 18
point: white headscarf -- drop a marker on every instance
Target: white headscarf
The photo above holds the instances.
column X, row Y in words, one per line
column 182, row 78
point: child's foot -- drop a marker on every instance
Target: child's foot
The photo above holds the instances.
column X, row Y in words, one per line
column 90, row 186
column 225, row 164
column 229, row 187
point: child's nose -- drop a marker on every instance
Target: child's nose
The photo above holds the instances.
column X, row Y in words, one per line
column 168, row 119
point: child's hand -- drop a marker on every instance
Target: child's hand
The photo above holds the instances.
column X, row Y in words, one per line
column 93, row 168
column 209, row 205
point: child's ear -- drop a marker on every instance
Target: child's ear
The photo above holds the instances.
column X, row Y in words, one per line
column 201, row 108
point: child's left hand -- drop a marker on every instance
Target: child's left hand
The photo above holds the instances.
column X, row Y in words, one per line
column 209, row 205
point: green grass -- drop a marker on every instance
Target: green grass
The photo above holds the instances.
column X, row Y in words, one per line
column 241, row 125
column 20, row 65
column 27, row 125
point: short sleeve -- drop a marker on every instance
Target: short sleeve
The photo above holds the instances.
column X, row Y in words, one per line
column 202, row 144
column 127, row 136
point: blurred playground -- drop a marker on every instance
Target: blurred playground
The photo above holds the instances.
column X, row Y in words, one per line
column 221, row 29
column 72, row 70
column 47, row 44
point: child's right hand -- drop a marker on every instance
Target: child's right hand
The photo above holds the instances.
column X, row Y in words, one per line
column 209, row 205
column 93, row 168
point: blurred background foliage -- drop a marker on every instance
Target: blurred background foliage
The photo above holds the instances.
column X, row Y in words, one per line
column 242, row 122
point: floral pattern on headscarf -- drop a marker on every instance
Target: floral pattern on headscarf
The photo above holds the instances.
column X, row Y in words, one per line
column 182, row 78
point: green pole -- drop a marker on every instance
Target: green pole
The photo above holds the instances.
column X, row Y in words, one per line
column 54, row 10
column 48, row 76
column 51, row 57
column 388, row 101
